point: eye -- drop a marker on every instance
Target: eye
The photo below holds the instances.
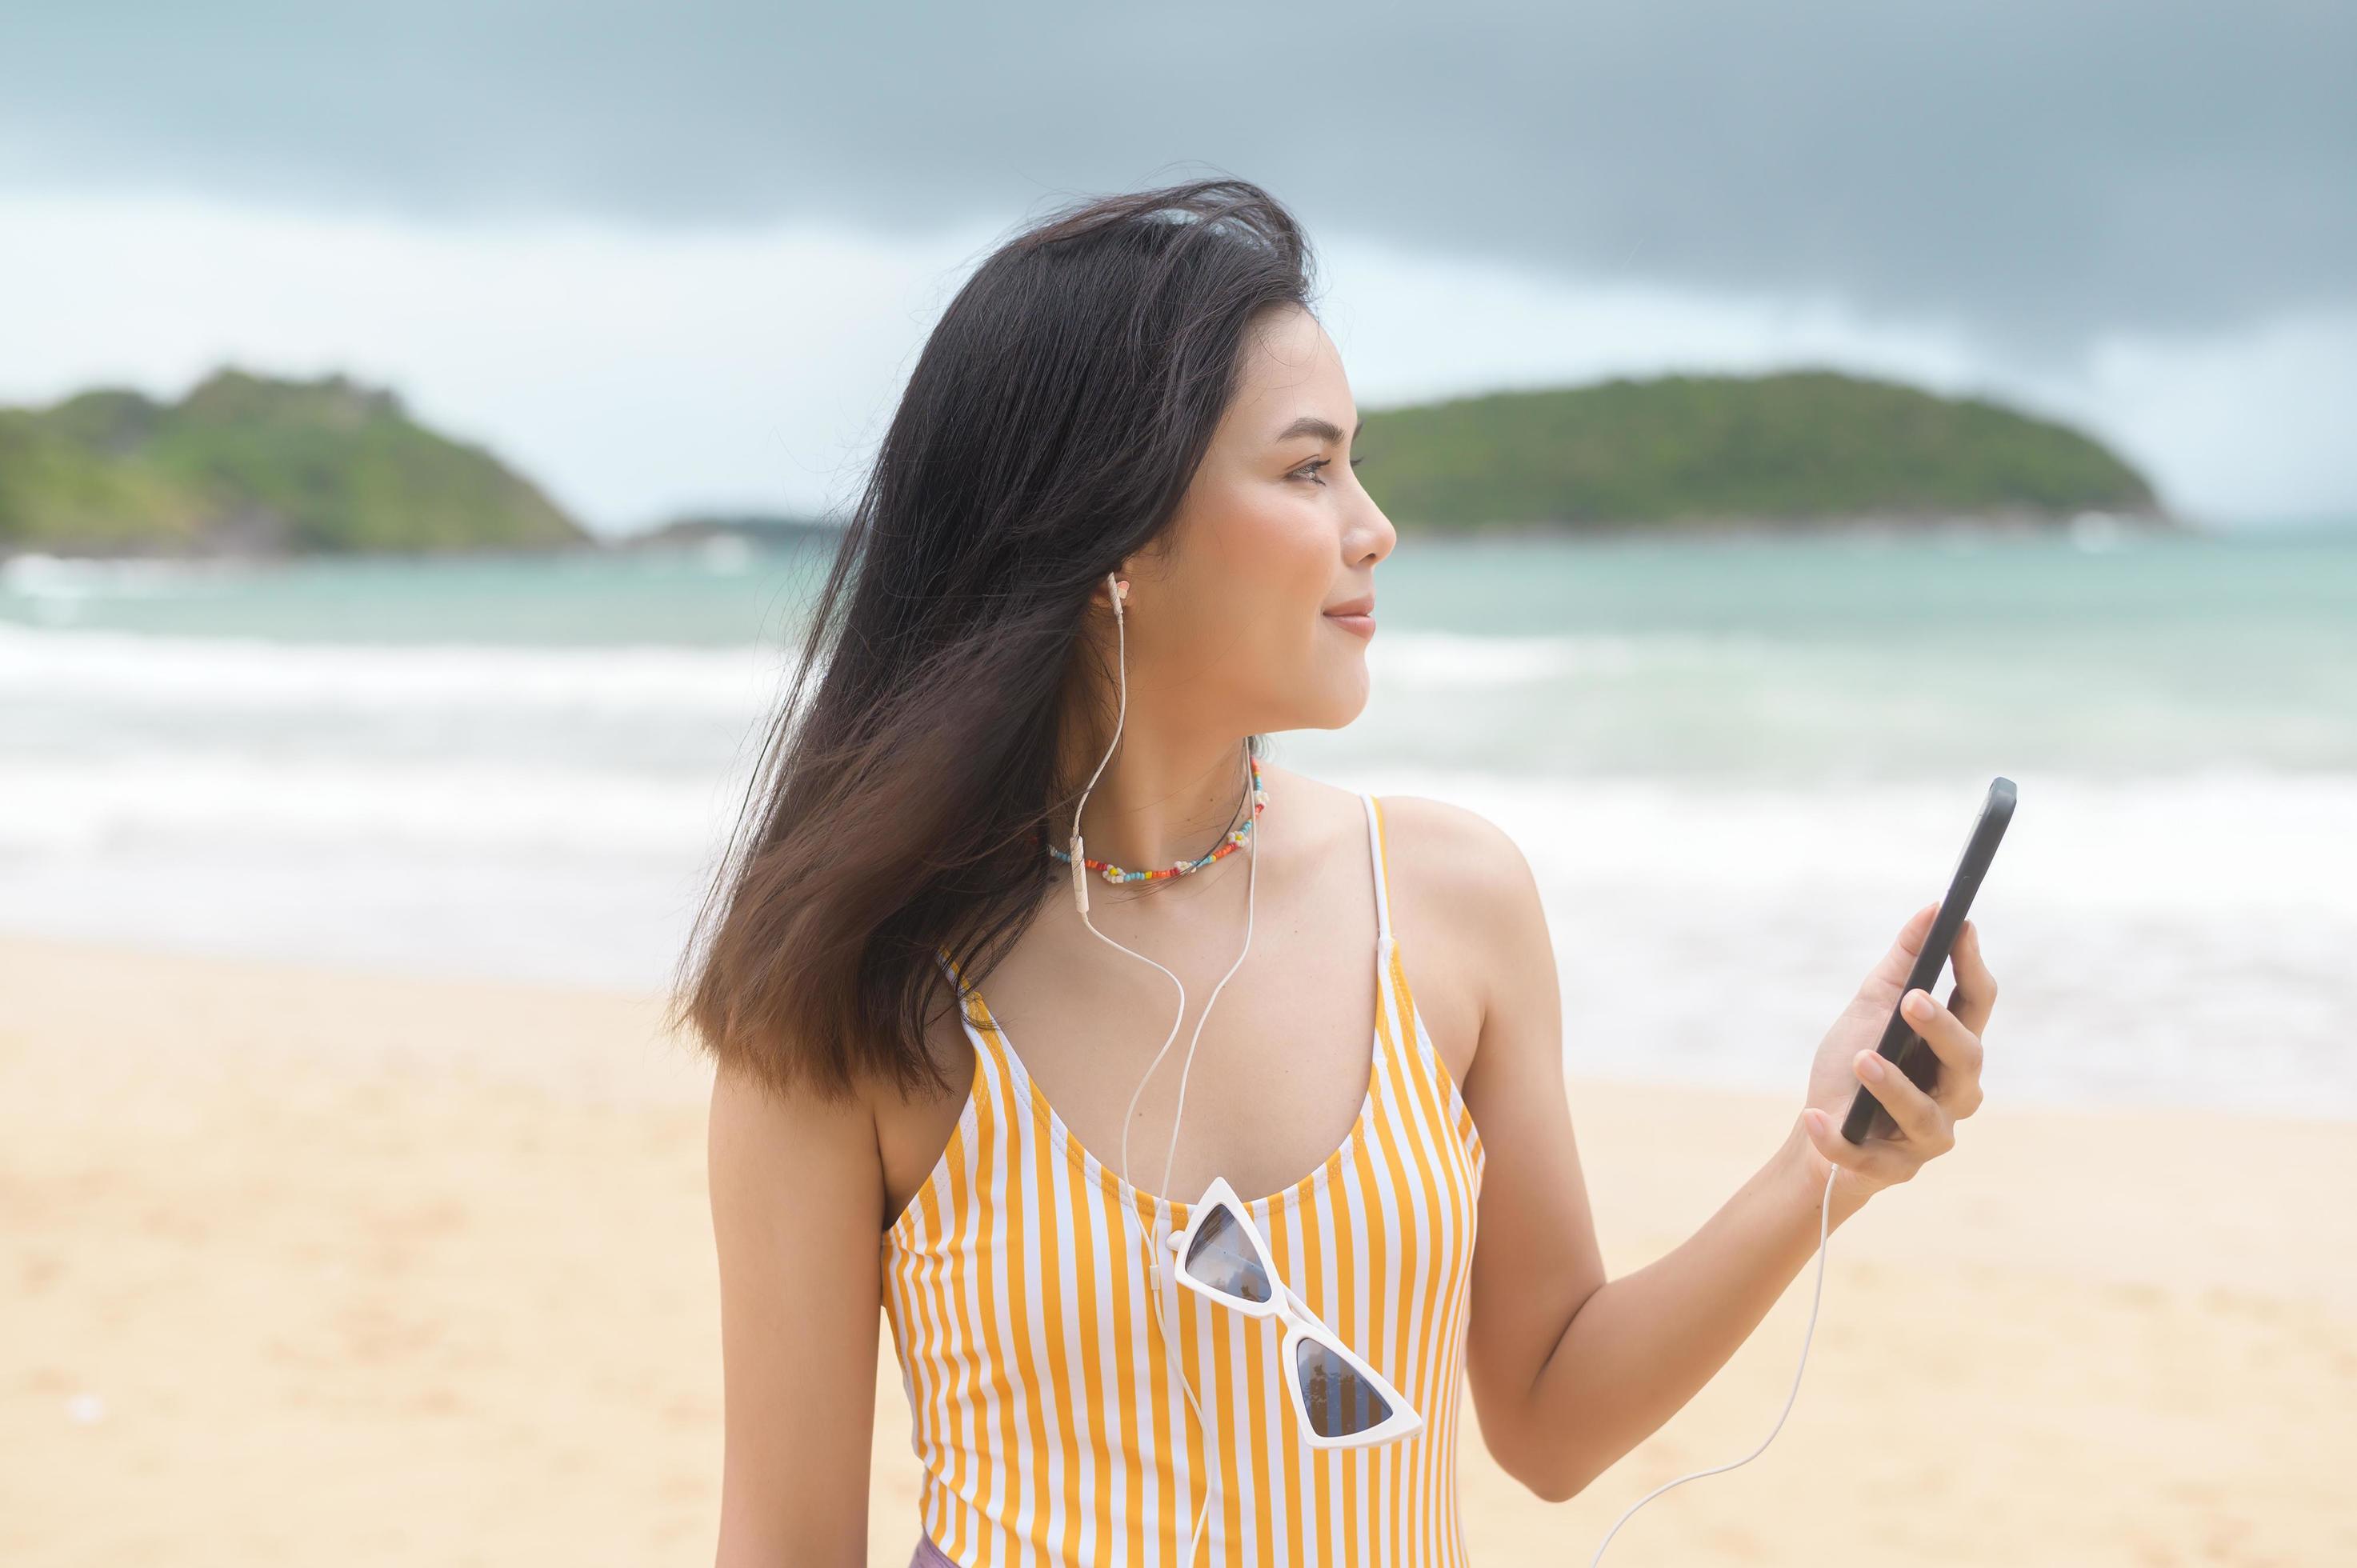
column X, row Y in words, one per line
column 1309, row 470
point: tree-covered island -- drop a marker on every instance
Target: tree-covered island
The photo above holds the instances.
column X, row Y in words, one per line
column 249, row 465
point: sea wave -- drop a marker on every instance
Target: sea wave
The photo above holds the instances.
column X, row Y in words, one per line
column 1427, row 659
column 244, row 676
column 36, row 576
column 132, row 805
column 246, row 673
column 2180, row 939
column 250, row 672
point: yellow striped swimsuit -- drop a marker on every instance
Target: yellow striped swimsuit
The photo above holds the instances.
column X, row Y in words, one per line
column 1048, row 1415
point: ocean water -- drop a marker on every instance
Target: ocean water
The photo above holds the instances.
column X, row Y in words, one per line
column 1736, row 766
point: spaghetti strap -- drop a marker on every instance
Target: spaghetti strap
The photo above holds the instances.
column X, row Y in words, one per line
column 966, row 997
column 1375, row 854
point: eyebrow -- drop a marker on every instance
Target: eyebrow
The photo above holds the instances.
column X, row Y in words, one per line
column 1326, row 431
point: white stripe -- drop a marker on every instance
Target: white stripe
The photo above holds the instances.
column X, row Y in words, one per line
column 1427, row 1261
column 1235, row 1328
column 1467, row 1168
column 1391, row 1353
column 1183, row 1446
column 1313, row 1535
column 1111, row 1418
column 1213, row 1453
column 1354, row 1329
column 1275, row 1434
column 916, row 1320
column 1436, row 1236
column 1329, row 1204
column 1397, row 1234
column 972, row 1402
column 1047, row 1452
column 960, row 1315
column 1422, row 1259
column 1005, row 1469
column 1073, row 1350
column 1145, row 1346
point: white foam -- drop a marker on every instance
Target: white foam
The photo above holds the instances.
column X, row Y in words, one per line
column 33, row 575
column 1441, row 660
column 2168, row 940
column 277, row 807
column 248, row 673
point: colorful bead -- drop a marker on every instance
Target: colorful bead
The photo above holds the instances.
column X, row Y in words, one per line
column 1233, row 840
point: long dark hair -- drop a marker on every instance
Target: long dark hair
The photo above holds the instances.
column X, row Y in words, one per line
column 1049, row 431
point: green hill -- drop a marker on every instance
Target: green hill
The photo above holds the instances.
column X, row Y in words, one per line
column 251, row 464
column 1802, row 445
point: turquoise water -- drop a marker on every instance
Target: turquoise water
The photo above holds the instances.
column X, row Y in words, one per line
column 1798, row 659
column 1735, row 765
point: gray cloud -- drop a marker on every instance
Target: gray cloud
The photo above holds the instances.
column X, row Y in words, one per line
column 2035, row 173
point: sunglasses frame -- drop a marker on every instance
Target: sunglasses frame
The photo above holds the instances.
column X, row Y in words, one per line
column 1300, row 1324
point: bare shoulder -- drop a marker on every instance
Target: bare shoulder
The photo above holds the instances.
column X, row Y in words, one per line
column 1454, row 850
column 1466, row 911
column 1447, row 847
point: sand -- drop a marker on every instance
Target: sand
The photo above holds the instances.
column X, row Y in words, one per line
column 299, row 1266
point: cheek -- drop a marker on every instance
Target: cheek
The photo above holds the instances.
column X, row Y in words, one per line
column 1262, row 564
column 1280, row 549
column 1281, row 577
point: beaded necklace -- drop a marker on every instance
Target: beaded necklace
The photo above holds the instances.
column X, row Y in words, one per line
column 1227, row 845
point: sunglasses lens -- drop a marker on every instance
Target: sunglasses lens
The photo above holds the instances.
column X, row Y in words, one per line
column 1340, row 1400
column 1222, row 1256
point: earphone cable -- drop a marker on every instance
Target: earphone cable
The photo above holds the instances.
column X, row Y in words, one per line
column 1825, row 1228
column 1155, row 1266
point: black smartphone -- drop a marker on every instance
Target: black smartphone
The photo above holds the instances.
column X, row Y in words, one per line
column 1901, row 1046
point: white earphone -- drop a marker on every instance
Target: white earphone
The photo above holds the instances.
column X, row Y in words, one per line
column 1157, row 1268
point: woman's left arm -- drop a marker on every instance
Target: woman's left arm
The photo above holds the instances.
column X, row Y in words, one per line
column 1571, row 1371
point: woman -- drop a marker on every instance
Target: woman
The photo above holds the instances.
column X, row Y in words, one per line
column 1113, row 536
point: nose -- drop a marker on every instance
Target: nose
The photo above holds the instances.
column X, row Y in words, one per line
column 1379, row 538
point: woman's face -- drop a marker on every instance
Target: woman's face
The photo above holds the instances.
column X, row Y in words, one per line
column 1274, row 531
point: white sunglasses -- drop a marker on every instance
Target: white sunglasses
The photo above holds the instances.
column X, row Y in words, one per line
column 1342, row 1402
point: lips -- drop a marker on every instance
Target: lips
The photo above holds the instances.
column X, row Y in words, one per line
column 1355, row 615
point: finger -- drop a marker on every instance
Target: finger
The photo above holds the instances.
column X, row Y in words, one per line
column 1958, row 1087
column 1874, row 1163
column 1891, row 973
column 1975, row 994
column 1924, row 1120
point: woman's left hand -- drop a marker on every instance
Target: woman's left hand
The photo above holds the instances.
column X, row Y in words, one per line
column 1927, row 1121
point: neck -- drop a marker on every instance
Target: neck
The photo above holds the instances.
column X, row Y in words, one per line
column 1162, row 798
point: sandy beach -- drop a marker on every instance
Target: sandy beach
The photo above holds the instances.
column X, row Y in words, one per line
column 300, row 1266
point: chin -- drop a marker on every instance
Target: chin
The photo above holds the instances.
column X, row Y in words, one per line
column 1331, row 699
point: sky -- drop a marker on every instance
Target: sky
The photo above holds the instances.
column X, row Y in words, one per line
column 679, row 258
